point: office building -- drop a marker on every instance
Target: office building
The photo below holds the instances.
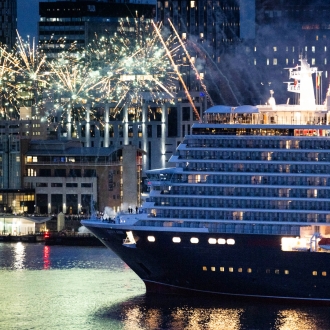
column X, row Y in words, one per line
column 8, row 22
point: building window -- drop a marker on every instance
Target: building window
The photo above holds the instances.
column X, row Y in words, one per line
column 274, row 61
column 72, row 185
column 313, row 49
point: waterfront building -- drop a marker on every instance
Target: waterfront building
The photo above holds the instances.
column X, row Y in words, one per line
column 73, row 179
column 8, row 22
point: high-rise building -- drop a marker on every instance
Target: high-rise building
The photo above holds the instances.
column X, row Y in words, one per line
column 66, row 23
column 8, row 22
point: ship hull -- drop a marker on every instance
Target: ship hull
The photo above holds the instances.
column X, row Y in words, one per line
column 254, row 267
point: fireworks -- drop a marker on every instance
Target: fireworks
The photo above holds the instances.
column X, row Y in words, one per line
column 123, row 70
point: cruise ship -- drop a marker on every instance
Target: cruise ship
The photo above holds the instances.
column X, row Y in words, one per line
column 244, row 211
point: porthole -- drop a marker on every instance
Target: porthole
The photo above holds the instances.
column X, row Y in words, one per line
column 212, row 241
column 194, row 240
column 221, row 241
column 176, row 239
column 151, row 238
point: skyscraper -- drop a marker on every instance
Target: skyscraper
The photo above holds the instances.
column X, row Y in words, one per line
column 8, row 22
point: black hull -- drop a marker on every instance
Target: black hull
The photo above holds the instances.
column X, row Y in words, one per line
column 254, row 267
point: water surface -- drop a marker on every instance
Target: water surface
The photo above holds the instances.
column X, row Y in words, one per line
column 56, row 287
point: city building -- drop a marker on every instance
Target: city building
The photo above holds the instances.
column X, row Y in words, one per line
column 76, row 24
column 8, row 22
column 73, row 179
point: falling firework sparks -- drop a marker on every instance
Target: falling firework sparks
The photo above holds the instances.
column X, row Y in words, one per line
column 177, row 71
column 191, row 62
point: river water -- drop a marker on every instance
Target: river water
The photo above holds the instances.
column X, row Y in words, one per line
column 57, row 287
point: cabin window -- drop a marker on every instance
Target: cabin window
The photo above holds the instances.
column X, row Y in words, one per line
column 249, row 270
column 231, row 269
column 212, row 241
column 213, row 269
column 324, row 273
column 151, row 238
column 286, row 272
column 314, row 273
column 194, row 240
column 277, row 271
column 240, row 270
column 204, row 268
column 230, row 241
column 222, row 269
column 176, row 239
column 221, row 241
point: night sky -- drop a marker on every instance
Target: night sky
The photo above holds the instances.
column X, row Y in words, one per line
column 27, row 17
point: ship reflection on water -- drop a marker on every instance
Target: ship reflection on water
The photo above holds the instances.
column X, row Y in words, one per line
column 168, row 312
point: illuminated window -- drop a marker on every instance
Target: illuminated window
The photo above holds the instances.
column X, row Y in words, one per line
column 231, row 269
column 204, row 268
column 213, row 269
column 192, row 4
column 314, row 273
column 240, row 270
column 313, row 61
column 194, row 240
column 221, row 241
column 324, row 273
column 151, row 238
column 313, row 49
column 249, row 270
column 222, row 269
column 286, row 272
column 184, row 36
column 166, row 4
column 176, row 239
column 277, row 271
column 274, row 61
column 212, row 241
column 267, row 271
column 275, row 49
column 230, row 241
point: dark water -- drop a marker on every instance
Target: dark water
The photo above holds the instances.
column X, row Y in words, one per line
column 56, row 287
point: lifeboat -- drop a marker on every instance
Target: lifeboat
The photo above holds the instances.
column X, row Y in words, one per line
column 324, row 243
